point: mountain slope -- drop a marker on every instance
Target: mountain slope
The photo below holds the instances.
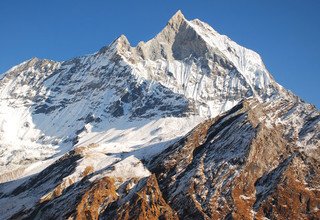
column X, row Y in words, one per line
column 240, row 165
column 237, row 165
column 106, row 134
column 188, row 70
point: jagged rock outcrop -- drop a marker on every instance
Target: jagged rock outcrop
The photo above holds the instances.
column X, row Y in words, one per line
column 146, row 202
column 100, row 195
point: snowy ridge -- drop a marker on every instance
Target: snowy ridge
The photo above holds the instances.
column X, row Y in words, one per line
column 248, row 62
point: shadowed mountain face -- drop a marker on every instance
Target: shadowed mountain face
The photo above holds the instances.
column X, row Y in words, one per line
column 188, row 125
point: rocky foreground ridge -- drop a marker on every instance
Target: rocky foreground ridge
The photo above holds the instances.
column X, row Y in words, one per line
column 188, row 125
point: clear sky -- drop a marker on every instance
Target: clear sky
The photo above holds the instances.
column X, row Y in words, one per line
column 286, row 33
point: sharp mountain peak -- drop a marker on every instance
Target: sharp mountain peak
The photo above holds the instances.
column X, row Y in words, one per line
column 177, row 18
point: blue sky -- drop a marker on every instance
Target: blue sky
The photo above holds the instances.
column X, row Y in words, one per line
column 286, row 33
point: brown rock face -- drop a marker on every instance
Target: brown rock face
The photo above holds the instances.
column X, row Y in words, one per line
column 292, row 198
column 146, row 203
column 239, row 166
column 100, row 195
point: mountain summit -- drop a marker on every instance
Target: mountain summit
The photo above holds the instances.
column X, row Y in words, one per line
column 187, row 125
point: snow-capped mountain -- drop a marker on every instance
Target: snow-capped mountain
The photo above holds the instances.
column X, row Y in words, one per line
column 106, row 135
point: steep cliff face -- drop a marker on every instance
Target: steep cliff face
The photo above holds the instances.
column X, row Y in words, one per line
column 105, row 136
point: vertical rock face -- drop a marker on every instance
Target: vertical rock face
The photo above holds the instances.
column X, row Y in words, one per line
column 188, row 125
